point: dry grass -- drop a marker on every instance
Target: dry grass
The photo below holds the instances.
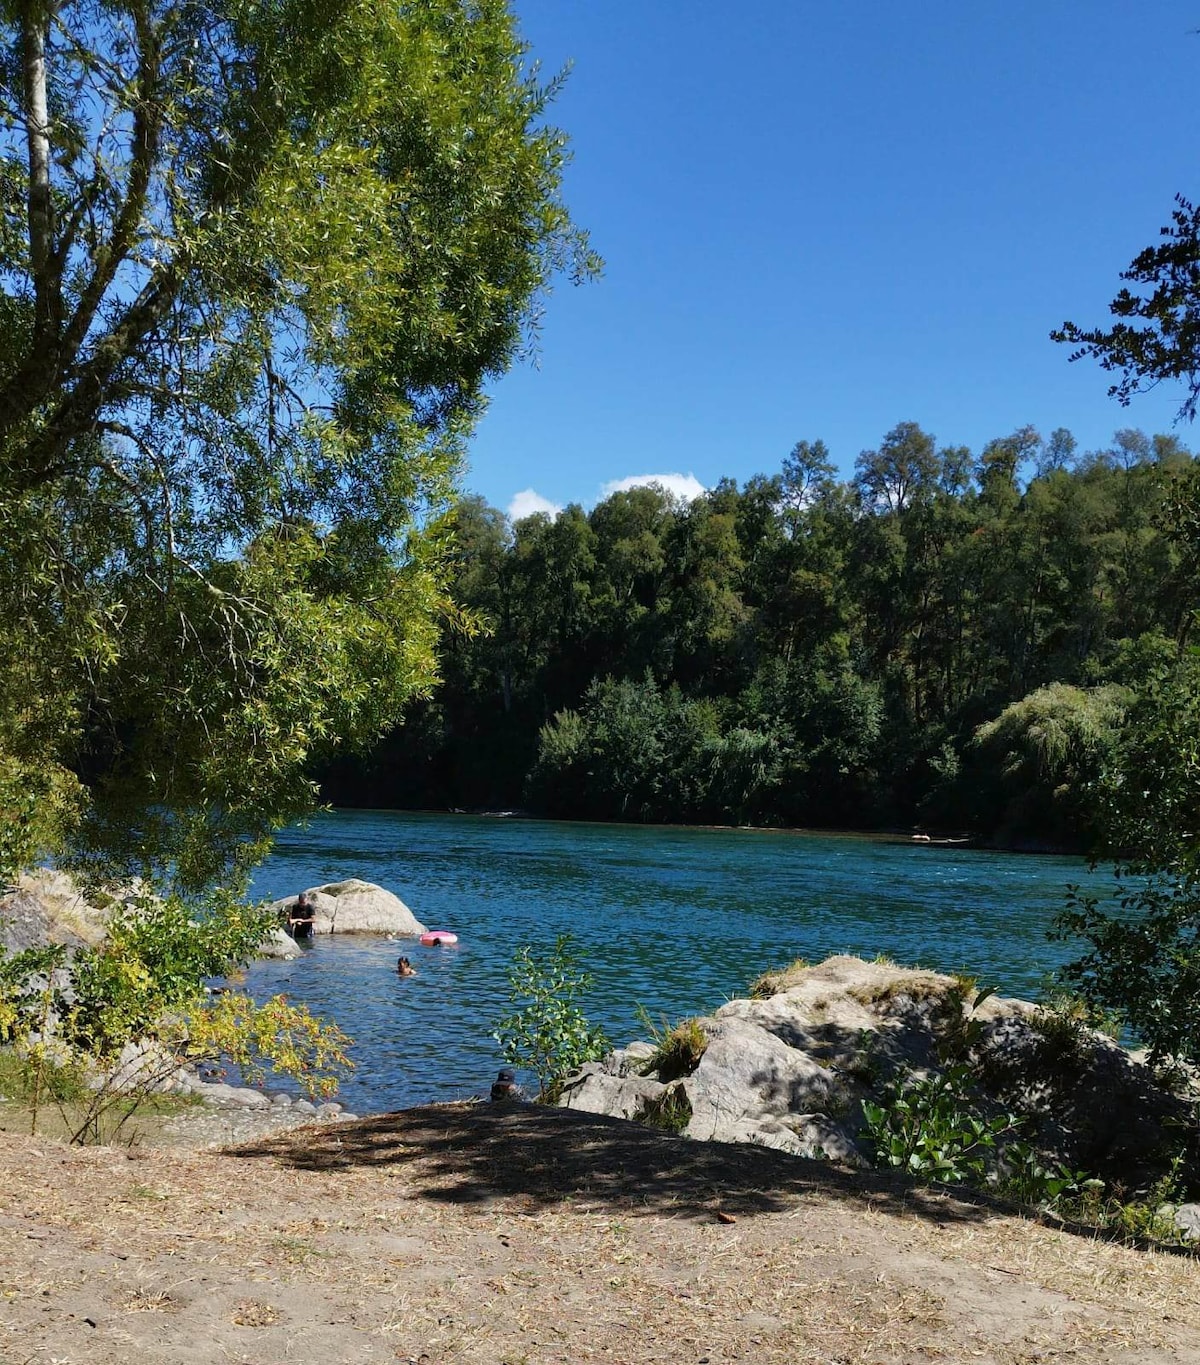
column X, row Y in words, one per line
column 910, row 987
column 779, row 979
column 678, row 1051
column 459, row 1234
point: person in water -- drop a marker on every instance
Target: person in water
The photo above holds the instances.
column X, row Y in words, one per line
column 405, row 968
column 301, row 916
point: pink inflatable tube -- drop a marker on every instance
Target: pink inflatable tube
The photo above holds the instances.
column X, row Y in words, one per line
column 437, row 938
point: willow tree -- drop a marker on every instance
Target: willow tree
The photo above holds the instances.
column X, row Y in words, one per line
column 258, row 259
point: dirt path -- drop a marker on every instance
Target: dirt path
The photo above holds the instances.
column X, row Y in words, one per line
column 491, row 1238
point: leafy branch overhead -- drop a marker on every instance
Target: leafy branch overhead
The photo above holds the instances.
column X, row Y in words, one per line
column 257, row 262
column 1157, row 335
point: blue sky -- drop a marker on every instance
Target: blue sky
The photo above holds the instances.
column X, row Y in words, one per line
column 823, row 218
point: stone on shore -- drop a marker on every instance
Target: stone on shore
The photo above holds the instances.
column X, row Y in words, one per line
column 356, row 907
column 46, row 907
column 792, row 1068
column 232, row 1096
column 597, row 1091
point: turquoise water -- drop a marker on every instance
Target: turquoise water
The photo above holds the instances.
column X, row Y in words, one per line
column 675, row 920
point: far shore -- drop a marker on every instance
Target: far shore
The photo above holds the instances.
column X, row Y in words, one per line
column 917, row 836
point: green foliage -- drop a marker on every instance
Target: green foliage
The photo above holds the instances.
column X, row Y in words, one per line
column 1143, row 958
column 27, row 1081
column 949, row 637
column 36, row 805
column 928, row 1127
column 153, row 963
column 633, row 751
column 1155, row 337
column 275, row 1036
column 545, row 1029
column 252, row 289
column 28, row 990
column 1026, row 773
column 1029, row 1178
column 145, row 985
column 677, row 1049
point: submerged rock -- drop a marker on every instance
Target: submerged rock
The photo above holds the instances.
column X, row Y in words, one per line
column 279, row 944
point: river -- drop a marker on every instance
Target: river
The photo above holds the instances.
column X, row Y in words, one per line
column 675, row 920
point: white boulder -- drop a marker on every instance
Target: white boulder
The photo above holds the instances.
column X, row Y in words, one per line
column 356, row 907
column 279, row 943
column 597, row 1091
column 752, row 1087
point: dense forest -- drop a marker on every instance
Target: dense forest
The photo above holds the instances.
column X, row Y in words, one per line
column 947, row 640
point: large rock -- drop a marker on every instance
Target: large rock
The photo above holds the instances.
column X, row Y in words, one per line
column 146, row 1066
column 597, row 1091
column 1187, row 1219
column 279, row 943
column 791, row 1069
column 752, row 1087
column 356, row 907
column 26, row 923
column 47, row 907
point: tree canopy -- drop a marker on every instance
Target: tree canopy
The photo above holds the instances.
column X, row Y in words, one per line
column 257, row 261
column 807, row 651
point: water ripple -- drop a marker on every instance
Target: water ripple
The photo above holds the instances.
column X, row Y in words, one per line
column 675, row 920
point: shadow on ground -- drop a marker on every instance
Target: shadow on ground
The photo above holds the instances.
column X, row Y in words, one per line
column 464, row 1154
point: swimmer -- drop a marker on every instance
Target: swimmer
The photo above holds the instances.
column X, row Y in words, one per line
column 405, row 968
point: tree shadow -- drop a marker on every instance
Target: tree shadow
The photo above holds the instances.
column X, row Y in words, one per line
column 542, row 1157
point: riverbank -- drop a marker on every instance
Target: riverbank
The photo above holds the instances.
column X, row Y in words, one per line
column 464, row 1234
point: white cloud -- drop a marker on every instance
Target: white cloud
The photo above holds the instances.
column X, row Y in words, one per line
column 686, row 486
column 527, row 503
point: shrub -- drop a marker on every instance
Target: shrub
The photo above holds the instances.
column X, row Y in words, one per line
column 929, row 1128
column 672, row 1111
column 145, row 985
column 545, row 1030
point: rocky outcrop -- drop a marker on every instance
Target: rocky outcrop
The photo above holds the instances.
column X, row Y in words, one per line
column 47, row 907
column 792, row 1068
column 356, row 907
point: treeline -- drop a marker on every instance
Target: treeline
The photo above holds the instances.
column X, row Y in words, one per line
column 946, row 638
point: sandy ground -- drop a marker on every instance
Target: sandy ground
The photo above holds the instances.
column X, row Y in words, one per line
column 490, row 1237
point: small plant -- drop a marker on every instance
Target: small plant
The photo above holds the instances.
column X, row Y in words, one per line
column 1065, row 1020
column 928, row 1127
column 677, row 1050
column 672, row 1111
column 868, row 1064
column 1024, row 1177
column 545, row 1030
column 777, row 979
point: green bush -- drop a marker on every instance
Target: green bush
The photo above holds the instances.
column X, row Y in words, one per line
column 155, row 959
column 545, row 1030
column 1142, row 957
column 929, row 1128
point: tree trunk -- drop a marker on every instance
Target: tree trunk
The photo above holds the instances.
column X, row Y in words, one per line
column 34, row 22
